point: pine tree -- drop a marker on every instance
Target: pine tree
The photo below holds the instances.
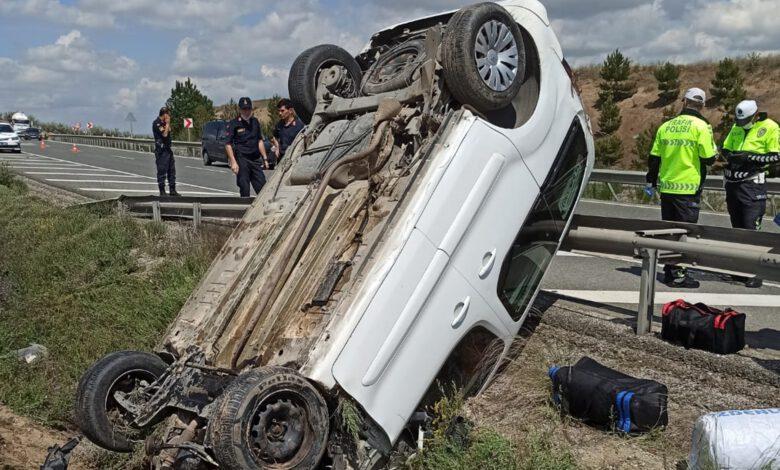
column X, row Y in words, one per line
column 609, row 119
column 727, row 90
column 272, row 110
column 668, row 77
column 609, row 150
column 615, row 73
column 187, row 101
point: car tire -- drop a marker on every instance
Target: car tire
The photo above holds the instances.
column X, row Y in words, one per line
column 96, row 412
column 305, row 72
column 395, row 68
column 482, row 66
column 206, row 159
column 270, row 417
column 18, row 150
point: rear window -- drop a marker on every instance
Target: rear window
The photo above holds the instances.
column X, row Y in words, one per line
column 6, row 128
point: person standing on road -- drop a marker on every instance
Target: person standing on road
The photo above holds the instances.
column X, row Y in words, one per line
column 683, row 148
column 245, row 149
column 163, row 154
column 752, row 144
column 288, row 127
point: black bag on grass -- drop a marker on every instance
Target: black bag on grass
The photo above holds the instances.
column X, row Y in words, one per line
column 702, row 327
column 601, row 396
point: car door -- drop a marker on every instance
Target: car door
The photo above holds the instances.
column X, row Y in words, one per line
column 220, row 140
column 488, row 196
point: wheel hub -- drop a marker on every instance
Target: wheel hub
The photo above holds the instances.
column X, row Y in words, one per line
column 496, row 55
column 278, row 431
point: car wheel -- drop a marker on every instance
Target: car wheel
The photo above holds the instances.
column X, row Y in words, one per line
column 395, row 68
column 483, row 57
column 206, row 159
column 101, row 418
column 305, row 74
column 270, row 417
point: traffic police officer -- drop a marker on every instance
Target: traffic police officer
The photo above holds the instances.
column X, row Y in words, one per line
column 246, row 150
column 163, row 155
column 752, row 144
column 683, row 147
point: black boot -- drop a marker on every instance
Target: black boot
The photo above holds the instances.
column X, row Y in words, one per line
column 754, row 283
column 162, row 190
column 173, row 192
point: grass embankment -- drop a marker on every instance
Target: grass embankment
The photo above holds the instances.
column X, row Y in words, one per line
column 82, row 285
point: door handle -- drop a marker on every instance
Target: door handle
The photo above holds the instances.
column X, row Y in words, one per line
column 460, row 312
column 487, row 263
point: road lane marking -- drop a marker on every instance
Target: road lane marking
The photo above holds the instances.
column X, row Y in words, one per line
column 632, row 297
column 106, row 181
column 125, row 158
column 38, row 167
column 194, row 193
column 135, row 174
column 569, row 254
column 205, row 169
column 60, row 173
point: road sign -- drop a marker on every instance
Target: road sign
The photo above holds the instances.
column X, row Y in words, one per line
column 188, row 123
column 90, row 125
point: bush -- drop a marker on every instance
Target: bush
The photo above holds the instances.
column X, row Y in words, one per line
column 668, row 77
column 752, row 62
column 609, row 150
column 609, row 119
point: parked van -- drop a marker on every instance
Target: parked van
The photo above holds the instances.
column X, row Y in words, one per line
column 398, row 246
column 213, row 140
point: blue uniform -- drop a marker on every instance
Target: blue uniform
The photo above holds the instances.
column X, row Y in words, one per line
column 163, row 157
column 244, row 137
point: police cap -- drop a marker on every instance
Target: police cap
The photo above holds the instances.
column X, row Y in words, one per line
column 245, row 103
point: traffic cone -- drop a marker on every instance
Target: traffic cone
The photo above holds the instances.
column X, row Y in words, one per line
column 43, row 144
column 75, row 149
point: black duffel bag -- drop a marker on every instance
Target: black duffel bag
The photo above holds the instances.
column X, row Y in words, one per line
column 602, row 396
column 702, row 327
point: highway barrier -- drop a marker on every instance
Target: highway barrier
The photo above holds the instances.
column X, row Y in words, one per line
column 180, row 148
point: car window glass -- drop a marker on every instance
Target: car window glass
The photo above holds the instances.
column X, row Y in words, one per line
column 535, row 245
column 6, row 128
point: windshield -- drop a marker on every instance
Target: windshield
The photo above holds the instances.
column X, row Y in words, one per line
column 6, row 128
column 21, row 121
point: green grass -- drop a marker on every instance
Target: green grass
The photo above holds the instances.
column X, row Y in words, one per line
column 82, row 285
column 456, row 444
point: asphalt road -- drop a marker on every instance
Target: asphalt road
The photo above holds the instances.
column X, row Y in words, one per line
column 106, row 173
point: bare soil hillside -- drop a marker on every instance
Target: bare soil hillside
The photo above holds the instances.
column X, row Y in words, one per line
column 644, row 109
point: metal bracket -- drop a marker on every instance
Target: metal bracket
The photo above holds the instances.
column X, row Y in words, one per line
column 644, row 319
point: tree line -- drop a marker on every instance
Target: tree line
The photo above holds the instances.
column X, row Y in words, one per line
column 726, row 91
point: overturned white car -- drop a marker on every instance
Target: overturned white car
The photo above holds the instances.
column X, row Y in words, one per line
column 399, row 244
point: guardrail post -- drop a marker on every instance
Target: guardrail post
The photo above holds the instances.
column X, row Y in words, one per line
column 156, row 211
column 644, row 319
column 196, row 215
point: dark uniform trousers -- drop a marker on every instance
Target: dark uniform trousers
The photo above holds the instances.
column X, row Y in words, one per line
column 166, row 167
column 746, row 201
column 250, row 171
column 679, row 208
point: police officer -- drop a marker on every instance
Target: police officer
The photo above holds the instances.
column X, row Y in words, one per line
column 752, row 144
column 683, row 147
column 163, row 155
column 286, row 129
column 245, row 149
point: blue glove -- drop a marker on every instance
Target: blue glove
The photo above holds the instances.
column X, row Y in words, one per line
column 649, row 190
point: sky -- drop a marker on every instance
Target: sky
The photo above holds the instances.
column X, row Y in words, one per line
column 97, row 60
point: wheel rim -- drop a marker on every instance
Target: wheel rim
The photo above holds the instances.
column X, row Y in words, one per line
column 205, row 157
column 130, row 382
column 279, row 432
column 496, row 54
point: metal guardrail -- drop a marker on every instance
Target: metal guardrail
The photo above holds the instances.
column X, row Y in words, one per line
column 637, row 178
column 654, row 241
column 717, row 248
column 186, row 149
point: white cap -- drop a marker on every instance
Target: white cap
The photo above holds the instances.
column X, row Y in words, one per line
column 696, row 94
column 745, row 112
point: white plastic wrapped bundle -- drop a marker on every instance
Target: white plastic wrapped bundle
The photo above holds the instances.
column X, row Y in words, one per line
column 737, row 440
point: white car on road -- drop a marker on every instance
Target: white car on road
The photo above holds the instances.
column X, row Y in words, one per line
column 9, row 140
column 399, row 245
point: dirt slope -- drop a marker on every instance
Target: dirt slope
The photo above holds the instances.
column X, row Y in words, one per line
column 517, row 403
column 643, row 109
